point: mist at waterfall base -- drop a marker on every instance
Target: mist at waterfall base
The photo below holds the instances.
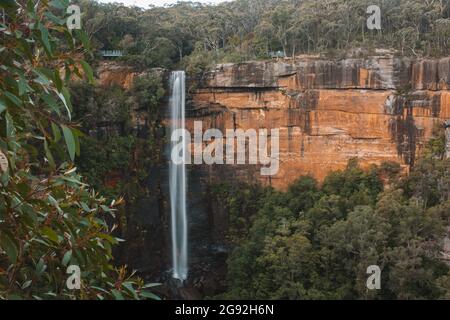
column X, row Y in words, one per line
column 177, row 182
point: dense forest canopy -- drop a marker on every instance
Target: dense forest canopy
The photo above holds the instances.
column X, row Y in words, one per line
column 195, row 34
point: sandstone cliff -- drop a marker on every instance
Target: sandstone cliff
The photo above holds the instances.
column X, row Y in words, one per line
column 381, row 108
column 111, row 73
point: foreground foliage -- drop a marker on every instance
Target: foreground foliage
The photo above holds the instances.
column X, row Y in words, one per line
column 49, row 219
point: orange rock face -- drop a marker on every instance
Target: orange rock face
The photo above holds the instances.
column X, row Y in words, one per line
column 377, row 109
column 112, row 73
column 328, row 112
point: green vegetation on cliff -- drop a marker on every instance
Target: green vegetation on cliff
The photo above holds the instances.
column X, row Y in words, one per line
column 119, row 145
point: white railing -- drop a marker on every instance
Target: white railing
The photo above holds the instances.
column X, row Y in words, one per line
column 111, row 53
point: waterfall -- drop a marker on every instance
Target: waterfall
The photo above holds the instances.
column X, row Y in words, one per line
column 447, row 138
column 177, row 183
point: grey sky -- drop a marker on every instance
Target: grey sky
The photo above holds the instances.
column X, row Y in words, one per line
column 145, row 3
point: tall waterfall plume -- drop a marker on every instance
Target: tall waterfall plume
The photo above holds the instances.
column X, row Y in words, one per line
column 177, row 183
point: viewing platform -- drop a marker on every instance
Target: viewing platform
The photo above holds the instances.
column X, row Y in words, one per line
column 277, row 54
column 111, row 53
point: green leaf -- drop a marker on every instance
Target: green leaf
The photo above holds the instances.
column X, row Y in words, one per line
column 51, row 102
column 57, row 80
column 117, row 295
column 45, row 39
column 54, row 18
column 9, row 247
column 67, row 72
column 24, row 46
column 85, row 207
column 147, row 294
column 54, row 202
column 56, row 132
column 42, row 78
column 84, row 38
column 64, row 95
column 23, row 87
column 8, row 4
column 40, row 266
column 108, row 238
column 88, row 71
column 70, row 141
column 10, row 129
column 129, row 286
column 58, row 4
column 13, row 98
column 105, row 208
column 66, row 258
column 50, row 234
column 26, row 284
column 48, row 73
column 151, row 285
column 77, row 143
column 2, row 105
column 49, row 155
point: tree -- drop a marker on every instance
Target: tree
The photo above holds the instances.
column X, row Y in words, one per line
column 49, row 219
